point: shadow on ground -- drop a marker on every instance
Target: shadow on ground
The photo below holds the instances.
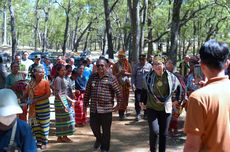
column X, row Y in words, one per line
column 126, row 136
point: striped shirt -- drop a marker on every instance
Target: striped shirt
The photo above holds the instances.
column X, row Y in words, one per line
column 101, row 93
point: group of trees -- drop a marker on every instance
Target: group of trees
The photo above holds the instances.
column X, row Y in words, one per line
column 177, row 27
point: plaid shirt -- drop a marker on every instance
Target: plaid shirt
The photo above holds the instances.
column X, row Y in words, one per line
column 102, row 91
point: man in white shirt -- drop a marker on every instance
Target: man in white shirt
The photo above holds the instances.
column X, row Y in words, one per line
column 27, row 62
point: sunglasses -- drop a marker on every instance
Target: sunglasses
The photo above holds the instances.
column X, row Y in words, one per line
column 100, row 65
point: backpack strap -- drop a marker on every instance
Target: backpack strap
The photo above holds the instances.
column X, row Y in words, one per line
column 13, row 134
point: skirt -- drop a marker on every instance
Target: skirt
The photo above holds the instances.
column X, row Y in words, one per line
column 41, row 122
column 64, row 120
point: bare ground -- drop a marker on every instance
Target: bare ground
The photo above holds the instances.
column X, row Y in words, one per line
column 126, row 136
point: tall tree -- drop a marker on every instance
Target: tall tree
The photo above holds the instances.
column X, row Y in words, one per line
column 175, row 26
column 13, row 29
column 143, row 22
column 4, row 36
column 67, row 13
column 46, row 11
column 108, row 29
column 36, row 25
column 134, row 7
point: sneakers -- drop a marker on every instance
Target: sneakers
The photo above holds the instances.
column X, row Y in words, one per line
column 97, row 145
column 145, row 117
column 138, row 117
column 121, row 118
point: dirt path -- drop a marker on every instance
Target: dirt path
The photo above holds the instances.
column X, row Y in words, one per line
column 126, row 136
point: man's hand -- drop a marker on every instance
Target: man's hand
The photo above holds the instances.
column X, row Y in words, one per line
column 116, row 108
column 175, row 104
column 142, row 105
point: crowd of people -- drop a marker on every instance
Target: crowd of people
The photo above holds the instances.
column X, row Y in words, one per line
column 161, row 91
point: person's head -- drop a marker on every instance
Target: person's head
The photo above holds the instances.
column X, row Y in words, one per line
column 17, row 59
column 89, row 60
column 80, row 69
column 84, row 62
column 151, row 59
column 25, row 55
column 14, row 67
column 74, row 74
column 121, row 55
column 9, row 108
column 142, row 59
column 37, row 59
column 158, row 65
column 71, row 62
column 186, row 59
column 61, row 70
column 38, row 73
column 214, row 56
column 101, row 66
column 192, row 62
column 67, row 60
column 68, row 69
column 170, row 65
column 47, row 61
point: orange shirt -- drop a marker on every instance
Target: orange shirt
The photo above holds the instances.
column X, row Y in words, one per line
column 208, row 115
column 42, row 88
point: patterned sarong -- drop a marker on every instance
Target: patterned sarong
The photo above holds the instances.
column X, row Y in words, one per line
column 80, row 116
column 65, row 123
column 39, row 119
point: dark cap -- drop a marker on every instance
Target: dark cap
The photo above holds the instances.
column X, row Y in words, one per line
column 38, row 56
column 142, row 56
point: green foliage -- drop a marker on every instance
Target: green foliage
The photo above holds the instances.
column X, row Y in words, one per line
column 196, row 28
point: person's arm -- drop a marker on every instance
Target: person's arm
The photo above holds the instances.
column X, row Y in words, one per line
column 129, row 72
column 87, row 93
column 117, row 90
column 29, row 144
column 133, row 77
column 195, row 123
column 192, row 143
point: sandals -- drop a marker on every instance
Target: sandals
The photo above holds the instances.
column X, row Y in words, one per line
column 67, row 140
column 64, row 140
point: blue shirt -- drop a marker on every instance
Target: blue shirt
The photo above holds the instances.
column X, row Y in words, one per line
column 23, row 138
column 80, row 83
column 87, row 72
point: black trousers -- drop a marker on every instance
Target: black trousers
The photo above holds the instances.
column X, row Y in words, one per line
column 158, row 126
column 100, row 121
column 139, row 93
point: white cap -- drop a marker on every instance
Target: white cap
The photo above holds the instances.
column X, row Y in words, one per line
column 8, row 103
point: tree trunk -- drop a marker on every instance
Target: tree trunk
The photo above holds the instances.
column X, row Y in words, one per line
column 175, row 25
column 86, row 41
column 13, row 29
column 103, row 43
column 75, row 31
column 108, row 29
column 36, row 25
column 150, row 37
column 4, row 24
column 44, row 44
column 144, row 15
column 67, row 11
column 76, row 45
column 135, row 29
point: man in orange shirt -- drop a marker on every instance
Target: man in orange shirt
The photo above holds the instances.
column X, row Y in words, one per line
column 207, row 122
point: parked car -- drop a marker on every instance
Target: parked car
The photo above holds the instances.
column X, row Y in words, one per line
column 43, row 54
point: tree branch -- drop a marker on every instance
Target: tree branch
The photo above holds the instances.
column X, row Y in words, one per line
column 193, row 14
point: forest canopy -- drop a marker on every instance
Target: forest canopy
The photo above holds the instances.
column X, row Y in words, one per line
column 176, row 27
